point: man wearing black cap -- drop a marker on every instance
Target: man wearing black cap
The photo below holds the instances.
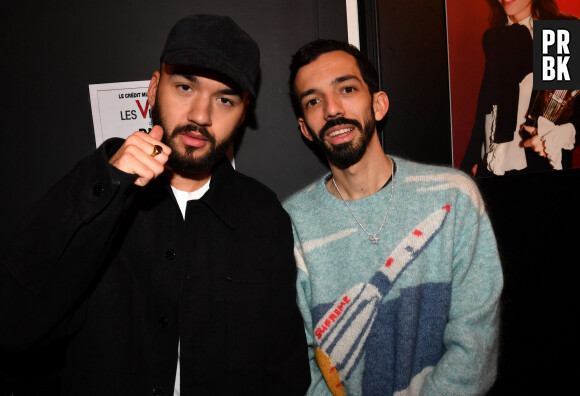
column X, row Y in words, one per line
column 168, row 271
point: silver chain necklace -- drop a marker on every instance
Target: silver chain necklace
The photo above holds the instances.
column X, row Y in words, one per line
column 372, row 237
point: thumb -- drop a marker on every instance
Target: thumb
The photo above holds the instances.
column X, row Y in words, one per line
column 156, row 132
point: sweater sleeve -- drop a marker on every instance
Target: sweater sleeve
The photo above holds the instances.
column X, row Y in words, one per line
column 318, row 385
column 58, row 249
column 469, row 365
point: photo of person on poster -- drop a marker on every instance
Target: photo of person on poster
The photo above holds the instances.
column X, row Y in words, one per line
column 511, row 133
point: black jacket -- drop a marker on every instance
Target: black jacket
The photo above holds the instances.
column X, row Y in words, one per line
column 116, row 269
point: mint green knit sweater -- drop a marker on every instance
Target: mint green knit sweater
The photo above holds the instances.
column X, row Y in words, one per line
column 414, row 314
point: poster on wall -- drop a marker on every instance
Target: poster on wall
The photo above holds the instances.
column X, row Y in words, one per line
column 501, row 124
column 119, row 109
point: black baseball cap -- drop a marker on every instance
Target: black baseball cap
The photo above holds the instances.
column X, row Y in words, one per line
column 215, row 43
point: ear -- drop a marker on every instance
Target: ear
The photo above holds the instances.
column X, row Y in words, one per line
column 380, row 105
column 304, row 129
column 152, row 91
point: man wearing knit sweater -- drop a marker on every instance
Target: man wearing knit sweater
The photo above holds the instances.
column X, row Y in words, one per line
column 399, row 277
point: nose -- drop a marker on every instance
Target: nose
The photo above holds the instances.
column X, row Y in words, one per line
column 333, row 107
column 200, row 111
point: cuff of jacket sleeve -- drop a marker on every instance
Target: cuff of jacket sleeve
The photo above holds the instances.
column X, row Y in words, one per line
column 102, row 182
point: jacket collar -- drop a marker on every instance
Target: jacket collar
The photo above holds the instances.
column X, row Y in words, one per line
column 223, row 194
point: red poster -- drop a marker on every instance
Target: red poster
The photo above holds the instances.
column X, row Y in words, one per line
column 466, row 23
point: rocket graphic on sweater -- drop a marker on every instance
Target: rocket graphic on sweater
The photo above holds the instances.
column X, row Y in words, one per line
column 342, row 331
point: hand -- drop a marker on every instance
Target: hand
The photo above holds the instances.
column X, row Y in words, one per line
column 135, row 157
column 532, row 131
column 537, row 144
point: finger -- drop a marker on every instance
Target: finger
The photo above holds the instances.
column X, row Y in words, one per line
column 543, row 148
column 134, row 161
column 134, row 157
column 530, row 131
column 154, row 138
column 160, row 158
column 532, row 142
column 536, row 144
column 146, row 143
column 145, row 174
column 156, row 133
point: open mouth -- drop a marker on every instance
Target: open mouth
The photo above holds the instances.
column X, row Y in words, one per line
column 340, row 132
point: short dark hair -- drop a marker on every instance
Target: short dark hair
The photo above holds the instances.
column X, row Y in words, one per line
column 311, row 51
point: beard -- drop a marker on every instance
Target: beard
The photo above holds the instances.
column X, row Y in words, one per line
column 345, row 154
column 186, row 163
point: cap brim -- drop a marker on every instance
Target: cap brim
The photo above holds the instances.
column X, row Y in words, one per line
column 212, row 62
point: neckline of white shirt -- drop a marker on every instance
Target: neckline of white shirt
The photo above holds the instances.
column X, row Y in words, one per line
column 183, row 196
column 527, row 22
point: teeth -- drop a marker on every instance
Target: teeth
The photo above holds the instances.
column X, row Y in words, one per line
column 339, row 132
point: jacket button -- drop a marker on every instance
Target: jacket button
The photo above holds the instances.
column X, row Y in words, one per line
column 170, row 254
column 158, row 391
column 98, row 189
column 163, row 322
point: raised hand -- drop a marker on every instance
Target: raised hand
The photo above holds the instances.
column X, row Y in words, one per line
column 140, row 155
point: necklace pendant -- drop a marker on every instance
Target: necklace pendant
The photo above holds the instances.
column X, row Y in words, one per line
column 374, row 239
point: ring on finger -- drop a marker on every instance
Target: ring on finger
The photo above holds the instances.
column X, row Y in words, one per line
column 157, row 149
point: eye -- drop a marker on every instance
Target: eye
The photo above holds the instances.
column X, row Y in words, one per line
column 184, row 87
column 348, row 89
column 226, row 101
column 312, row 102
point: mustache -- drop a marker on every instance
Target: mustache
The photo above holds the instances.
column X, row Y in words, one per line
column 192, row 127
column 338, row 121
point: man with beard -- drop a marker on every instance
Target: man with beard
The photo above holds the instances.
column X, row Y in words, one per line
column 398, row 272
column 167, row 271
